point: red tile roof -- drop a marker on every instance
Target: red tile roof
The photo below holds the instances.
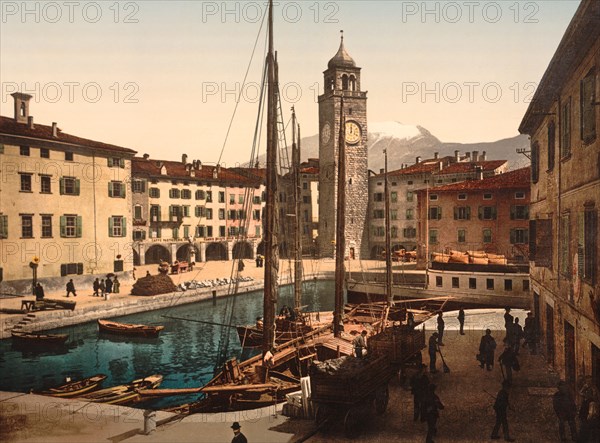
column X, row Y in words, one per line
column 9, row 127
column 466, row 167
column 309, row 170
column 517, row 179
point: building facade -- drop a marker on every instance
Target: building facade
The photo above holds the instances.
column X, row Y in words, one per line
column 65, row 204
column 342, row 80
column 563, row 123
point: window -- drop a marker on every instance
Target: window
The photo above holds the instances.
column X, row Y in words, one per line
column 462, row 196
column 232, row 199
column 433, row 197
column 535, row 162
column 155, row 232
column 221, row 231
column 155, row 213
column 394, row 197
column 154, row 192
column 394, row 183
column 44, row 153
column 393, row 214
column 565, row 121
column 138, row 186
column 257, row 231
column 3, row 226
column 541, row 242
column 410, row 214
column 525, row 285
column 68, row 156
column 25, row 182
column 435, row 213
column 256, row 214
column 116, row 162
column 508, row 284
column 439, row 281
column 199, row 211
column 200, row 231
column 175, row 213
column 116, row 189
column 487, row 196
column 71, row 268
column 564, row 241
column 487, row 213
column 462, row 236
column 137, row 212
column 487, row 235
column 519, row 195
column 186, row 231
column 519, row 212
column 433, row 236
column 174, row 193
column 45, row 184
column 472, row 283
column 519, row 236
column 378, row 213
column 551, row 145
column 489, row 284
column 209, row 213
column 305, row 186
column 185, row 211
column 186, row 194
column 590, row 244
column 221, row 197
column 24, row 150
column 175, row 233
column 116, row 226
column 221, row 214
column 256, row 200
column 462, row 213
column 200, row 194
column 70, row 226
column 409, row 232
column 209, row 196
column 209, row 231
column 241, row 199
column 588, row 109
column 410, row 196
column 139, row 235
column 305, row 199
column 378, row 231
column 394, row 232
column 455, row 282
column 69, row 186
column 378, row 197
column 46, row 226
column 26, row 226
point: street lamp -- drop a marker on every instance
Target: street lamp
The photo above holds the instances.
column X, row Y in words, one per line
column 33, row 264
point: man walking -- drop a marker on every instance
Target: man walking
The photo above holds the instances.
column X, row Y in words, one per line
column 461, row 320
column 530, row 334
column 501, row 407
column 418, row 387
column 515, row 336
column 109, row 285
column 71, row 288
column 96, row 287
column 507, row 361
column 102, row 288
column 440, row 327
column 433, row 349
column 431, row 405
column 566, row 410
column 238, row 437
column 487, row 347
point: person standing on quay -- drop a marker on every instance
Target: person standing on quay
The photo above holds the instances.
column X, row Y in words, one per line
column 566, row 410
column 515, row 336
column 433, row 350
column 418, row 386
column 461, row 320
column 116, row 285
column 431, row 412
column 96, row 287
column 487, row 347
column 500, row 407
column 71, row 288
column 507, row 361
column 39, row 292
column 508, row 321
column 109, row 285
column 102, row 288
column 440, row 327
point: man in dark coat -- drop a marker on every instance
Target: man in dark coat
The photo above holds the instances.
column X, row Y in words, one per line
column 461, row 320
column 96, row 287
column 238, row 437
column 514, row 336
column 508, row 321
column 433, row 349
column 440, row 327
column 418, row 386
column 71, row 288
column 501, row 407
column 487, row 347
column 566, row 410
column 507, row 360
column 590, row 427
column 431, row 407
column 39, row 292
column 109, row 285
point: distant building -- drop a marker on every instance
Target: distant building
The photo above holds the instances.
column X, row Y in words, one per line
column 403, row 186
column 189, row 211
column 65, row 204
column 486, row 214
column 563, row 123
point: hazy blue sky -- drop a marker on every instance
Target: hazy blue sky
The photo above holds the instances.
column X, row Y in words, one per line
column 167, row 72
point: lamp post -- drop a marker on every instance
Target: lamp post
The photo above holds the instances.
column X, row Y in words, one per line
column 33, row 264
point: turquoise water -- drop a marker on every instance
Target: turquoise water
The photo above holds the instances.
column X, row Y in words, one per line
column 185, row 353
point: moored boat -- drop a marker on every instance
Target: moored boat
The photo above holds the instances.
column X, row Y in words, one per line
column 113, row 327
column 76, row 388
column 37, row 338
column 124, row 394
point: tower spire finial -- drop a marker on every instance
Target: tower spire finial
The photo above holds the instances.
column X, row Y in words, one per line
column 342, row 34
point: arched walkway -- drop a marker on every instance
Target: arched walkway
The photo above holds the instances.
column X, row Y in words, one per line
column 376, row 252
column 242, row 250
column 157, row 253
column 216, row 251
column 183, row 252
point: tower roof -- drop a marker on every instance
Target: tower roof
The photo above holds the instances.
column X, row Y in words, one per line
column 342, row 59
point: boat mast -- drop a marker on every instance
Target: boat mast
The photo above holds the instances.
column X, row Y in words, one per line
column 297, row 197
column 340, row 239
column 270, row 237
column 388, row 240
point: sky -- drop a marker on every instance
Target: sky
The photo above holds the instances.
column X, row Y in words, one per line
column 163, row 77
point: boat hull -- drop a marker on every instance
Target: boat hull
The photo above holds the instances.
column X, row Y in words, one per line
column 124, row 394
column 39, row 339
column 129, row 329
column 77, row 388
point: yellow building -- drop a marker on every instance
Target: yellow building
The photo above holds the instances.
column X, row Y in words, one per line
column 65, row 205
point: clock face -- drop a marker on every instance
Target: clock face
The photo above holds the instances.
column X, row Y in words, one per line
column 352, row 133
column 326, row 133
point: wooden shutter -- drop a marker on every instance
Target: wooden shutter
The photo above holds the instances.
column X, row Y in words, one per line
column 580, row 244
column 78, row 226
column 62, row 185
column 124, row 226
column 63, row 270
column 121, row 163
column 76, row 187
column 122, row 190
column 110, row 189
column 110, row 162
column 110, row 227
column 79, row 268
column 63, row 226
column 3, row 226
column 455, row 213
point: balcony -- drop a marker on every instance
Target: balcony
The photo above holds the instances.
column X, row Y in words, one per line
column 139, row 222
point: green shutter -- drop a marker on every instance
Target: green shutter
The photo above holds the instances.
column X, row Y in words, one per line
column 580, row 244
column 110, row 189
column 110, row 226
column 77, row 186
column 158, row 213
column 63, row 226
column 79, row 268
column 78, row 226
column 4, row 226
column 62, row 185
column 63, row 270
column 121, row 162
column 124, row 226
column 110, row 161
column 122, row 190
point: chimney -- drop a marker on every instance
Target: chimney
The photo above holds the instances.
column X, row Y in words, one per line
column 483, row 156
column 54, row 130
column 479, row 173
column 441, row 165
column 198, row 165
column 475, row 156
column 21, row 106
column 418, row 160
column 30, row 122
column 456, row 156
column 146, row 156
column 381, row 171
column 436, row 155
column 184, row 159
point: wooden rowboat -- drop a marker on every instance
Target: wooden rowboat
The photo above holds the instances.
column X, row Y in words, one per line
column 124, row 394
column 76, row 388
column 129, row 329
column 35, row 338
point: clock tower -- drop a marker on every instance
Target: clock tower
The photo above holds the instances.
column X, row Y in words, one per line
column 342, row 79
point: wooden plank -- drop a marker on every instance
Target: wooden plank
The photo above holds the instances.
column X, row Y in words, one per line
column 167, row 392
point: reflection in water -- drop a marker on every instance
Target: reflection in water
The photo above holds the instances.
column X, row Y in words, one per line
column 184, row 353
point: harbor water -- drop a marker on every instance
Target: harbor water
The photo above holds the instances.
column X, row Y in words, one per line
column 185, row 353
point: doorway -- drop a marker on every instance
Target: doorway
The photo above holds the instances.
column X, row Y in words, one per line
column 549, row 334
column 570, row 355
